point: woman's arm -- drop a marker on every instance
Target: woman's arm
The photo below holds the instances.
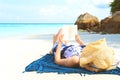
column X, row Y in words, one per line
column 78, row 40
column 68, row 62
column 58, row 51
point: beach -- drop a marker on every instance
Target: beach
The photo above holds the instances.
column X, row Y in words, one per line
column 16, row 54
column 27, row 29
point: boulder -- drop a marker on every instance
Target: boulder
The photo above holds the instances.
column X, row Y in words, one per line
column 88, row 22
column 111, row 24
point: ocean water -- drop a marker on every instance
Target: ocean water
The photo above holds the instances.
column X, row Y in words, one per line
column 46, row 31
column 25, row 29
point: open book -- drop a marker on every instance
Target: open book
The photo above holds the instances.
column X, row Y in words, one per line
column 69, row 32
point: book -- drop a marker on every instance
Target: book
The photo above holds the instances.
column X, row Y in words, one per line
column 69, row 32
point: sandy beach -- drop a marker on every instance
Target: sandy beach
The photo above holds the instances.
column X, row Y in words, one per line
column 16, row 54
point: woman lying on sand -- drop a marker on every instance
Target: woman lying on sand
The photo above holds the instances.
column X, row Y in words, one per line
column 70, row 55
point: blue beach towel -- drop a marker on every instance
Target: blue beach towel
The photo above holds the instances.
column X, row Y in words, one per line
column 46, row 64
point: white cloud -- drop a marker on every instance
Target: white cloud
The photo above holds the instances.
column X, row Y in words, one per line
column 51, row 10
column 101, row 13
column 66, row 10
column 72, row 1
column 71, row 10
column 98, row 2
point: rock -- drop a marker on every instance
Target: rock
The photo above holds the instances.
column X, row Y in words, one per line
column 111, row 24
column 87, row 22
column 116, row 17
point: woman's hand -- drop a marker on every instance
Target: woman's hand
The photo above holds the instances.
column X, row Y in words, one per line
column 78, row 39
column 61, row 39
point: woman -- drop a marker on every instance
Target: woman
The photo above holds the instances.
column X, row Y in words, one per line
column 66, row 55
column 96, row 56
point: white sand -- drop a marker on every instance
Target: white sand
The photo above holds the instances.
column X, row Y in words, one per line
column 16, row 54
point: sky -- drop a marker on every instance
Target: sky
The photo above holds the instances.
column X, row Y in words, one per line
column 51, row 11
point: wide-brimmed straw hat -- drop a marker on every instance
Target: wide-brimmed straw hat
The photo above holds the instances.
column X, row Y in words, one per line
column 99, row 52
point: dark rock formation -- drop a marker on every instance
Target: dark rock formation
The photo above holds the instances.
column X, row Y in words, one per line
column 88, row 22
column 111, row 24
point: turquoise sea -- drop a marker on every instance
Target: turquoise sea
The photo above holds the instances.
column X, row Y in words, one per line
column 46, row 30
column 23, row 29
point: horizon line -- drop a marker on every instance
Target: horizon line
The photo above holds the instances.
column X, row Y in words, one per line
column 32, row 23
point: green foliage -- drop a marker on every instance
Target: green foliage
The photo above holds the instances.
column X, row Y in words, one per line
column 115, row 6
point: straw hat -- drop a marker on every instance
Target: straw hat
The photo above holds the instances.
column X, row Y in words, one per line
column 98, row 53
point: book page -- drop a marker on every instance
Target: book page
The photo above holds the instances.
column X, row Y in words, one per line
column 69, row 32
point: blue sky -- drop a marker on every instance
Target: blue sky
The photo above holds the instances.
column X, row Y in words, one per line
column 51, row 11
